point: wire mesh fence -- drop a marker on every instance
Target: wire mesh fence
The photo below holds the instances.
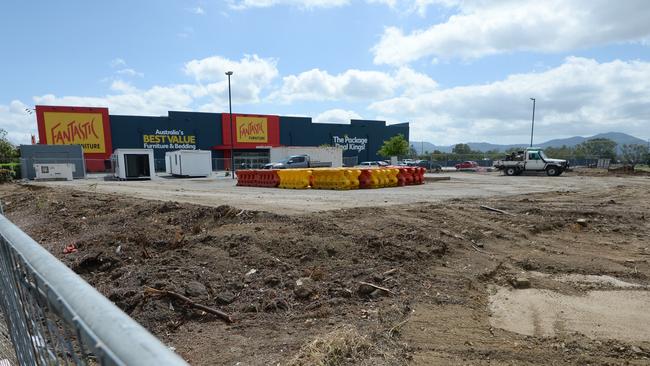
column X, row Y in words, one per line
column 53, row 317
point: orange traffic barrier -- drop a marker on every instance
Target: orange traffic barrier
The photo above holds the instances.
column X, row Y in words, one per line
column 267, row 178
column 246, row 178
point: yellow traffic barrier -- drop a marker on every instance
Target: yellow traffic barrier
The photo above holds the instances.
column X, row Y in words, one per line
column 392, row 177
column 352, row 176
column 294, row 178
column 335, row 178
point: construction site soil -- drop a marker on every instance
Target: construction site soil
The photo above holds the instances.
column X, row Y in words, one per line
column 425, row 283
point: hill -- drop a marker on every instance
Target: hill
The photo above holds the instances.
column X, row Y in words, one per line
column 619, row 137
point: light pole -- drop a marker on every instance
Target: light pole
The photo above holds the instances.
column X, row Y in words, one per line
column 532, row 126
column 232, row 139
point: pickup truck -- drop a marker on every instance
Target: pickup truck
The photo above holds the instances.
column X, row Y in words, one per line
column 297, row 161
column 531, row 160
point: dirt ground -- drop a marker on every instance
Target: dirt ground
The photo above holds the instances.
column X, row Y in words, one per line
column 219, row 190
column 420, row 283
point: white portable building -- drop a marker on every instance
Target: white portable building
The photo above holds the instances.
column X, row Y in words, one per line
column 133, row 163
column 189, row 163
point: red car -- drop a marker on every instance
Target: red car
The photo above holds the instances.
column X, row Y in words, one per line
column 467, row 165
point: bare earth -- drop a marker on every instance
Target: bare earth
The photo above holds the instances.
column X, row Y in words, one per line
column 292, row 267
column 216, row 191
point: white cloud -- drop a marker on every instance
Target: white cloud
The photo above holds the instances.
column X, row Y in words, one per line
column 251, row 75
column 356, row 85
column 336, row 116
column 19, row 121
column 117, row 62
column 197, row 10
column 157, row 100
column 580, row 97
column 129, row 72
column 491, row 27
column 303, row 4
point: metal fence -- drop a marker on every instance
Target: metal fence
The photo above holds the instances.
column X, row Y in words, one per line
column 53, row 317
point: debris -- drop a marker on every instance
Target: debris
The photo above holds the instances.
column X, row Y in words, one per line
column 581, row 222
column 390, row 272
column 365, row 285
column 521, row 282
column 637, row 350
column 196, row 289
column 304, row 288
column 70, row 248
column 365, row 289
column 252, row 271
column 496, row 210
column 156, row 292
column 226, row 298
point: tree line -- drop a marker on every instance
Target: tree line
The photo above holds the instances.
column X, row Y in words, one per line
column 598, row 148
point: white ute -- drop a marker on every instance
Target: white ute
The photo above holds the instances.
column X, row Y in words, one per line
column 531, row 160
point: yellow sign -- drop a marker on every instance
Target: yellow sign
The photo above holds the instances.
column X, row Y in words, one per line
column 169, row 139
column 252, row 129
column 85, row 129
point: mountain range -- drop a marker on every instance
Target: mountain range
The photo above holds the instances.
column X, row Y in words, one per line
column 619, row 137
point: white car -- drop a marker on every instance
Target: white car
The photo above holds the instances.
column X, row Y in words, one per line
column 373, row 163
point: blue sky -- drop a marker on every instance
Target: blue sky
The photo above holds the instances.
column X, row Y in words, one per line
column 457, row 70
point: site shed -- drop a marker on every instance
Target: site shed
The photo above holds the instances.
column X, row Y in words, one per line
column 133, row 163
column 51, row 154
column 189, row 163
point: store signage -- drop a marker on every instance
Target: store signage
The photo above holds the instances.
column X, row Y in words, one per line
column 350, row 143
column 169, row 139
column 251, row 129
column 72, row 128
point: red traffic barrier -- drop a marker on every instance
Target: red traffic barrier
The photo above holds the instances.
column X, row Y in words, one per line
column 418, row 175
column 365, row 180
column 267, row 178
column 246, row 178
column 258, row 178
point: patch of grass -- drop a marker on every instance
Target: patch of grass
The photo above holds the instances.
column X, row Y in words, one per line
column 345, row 346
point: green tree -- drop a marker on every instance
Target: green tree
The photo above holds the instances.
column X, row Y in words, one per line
column 635, row 153
column 564, row 152
column 8, row 151
column 597, row 148
column 394, row 146
column 461, row 149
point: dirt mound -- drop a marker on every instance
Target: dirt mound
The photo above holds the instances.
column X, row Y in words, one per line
column 408, row 280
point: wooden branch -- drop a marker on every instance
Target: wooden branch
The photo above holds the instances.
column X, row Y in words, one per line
column 496, row 210
column 390, row 272
column 377, row 287
column 220, row 314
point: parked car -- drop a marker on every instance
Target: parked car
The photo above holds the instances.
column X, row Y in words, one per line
column 373, row 163
column 297, row 161
column 467, row 165
column 429, row 165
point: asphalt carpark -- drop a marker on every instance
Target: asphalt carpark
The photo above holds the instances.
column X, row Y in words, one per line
column 219, row 190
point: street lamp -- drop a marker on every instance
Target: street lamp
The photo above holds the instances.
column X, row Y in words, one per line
column 532, row 126
column 232, row 139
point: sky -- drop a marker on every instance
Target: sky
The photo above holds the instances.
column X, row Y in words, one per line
column 457, row 70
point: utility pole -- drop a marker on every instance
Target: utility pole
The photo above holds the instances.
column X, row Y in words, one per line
column 232, row 139
column 532, row 126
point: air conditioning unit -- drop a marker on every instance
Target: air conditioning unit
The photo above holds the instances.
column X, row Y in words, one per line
column 54, row 171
